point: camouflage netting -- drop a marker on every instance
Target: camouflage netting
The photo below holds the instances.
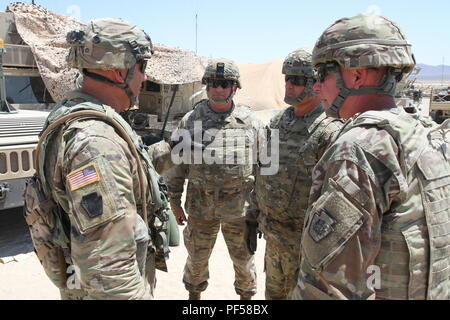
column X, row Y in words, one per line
column 175, row 66
column 45, row 32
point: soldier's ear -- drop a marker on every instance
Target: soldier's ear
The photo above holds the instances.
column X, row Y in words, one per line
column 358, row 78
column 122, row 75
column 118, row 75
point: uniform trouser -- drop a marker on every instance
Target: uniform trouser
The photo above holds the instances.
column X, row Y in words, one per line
column 282, row 267
column 199, row 238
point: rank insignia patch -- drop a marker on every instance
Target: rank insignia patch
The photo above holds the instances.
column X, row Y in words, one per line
column 83, row 177
column 321, row 225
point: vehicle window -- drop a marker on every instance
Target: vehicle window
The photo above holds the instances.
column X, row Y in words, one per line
column 26, row 90
column 152, row 87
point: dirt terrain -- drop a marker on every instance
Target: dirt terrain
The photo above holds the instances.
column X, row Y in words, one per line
column 22, row 277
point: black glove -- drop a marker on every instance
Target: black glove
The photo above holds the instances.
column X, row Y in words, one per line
column 251, row 233
column 150, row 140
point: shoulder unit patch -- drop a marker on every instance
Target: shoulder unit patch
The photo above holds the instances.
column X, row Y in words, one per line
column 321, row 225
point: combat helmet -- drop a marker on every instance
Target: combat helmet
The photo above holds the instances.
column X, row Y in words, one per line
column 222, row 69
column 298, row 63
column 109, row 44
column 359, row 42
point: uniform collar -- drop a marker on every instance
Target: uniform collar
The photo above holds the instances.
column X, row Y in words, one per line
column 77, row 95
column 224, row 116
column 310, row 120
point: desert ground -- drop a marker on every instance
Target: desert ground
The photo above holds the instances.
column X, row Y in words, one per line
column 22, row 277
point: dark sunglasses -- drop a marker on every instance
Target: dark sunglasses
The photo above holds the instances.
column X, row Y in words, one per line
column 220, row 83
column 322, row 71
column 296, row 80
column 142, row 65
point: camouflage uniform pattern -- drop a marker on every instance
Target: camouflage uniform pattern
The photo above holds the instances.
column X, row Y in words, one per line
column 364, row 41
column 216, row 197
column 281, row 200
column 109, row 248
column 380, row 208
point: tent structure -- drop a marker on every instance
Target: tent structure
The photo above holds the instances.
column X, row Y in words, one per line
column 262, row 86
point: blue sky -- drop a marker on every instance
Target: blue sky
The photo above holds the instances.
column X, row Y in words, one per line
column 251, row 31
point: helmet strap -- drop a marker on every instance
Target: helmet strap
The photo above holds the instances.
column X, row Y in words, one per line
column 307, row 92
column 226, row 100
column 125, row 86
column 388, row 86
column 134, row 100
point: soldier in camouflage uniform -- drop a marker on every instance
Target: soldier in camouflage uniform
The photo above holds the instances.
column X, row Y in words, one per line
column 216, row 193
column 379, row 221
column 91, row 173
column 280, row 201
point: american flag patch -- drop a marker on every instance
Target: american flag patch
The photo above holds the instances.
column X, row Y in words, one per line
column 83, row 177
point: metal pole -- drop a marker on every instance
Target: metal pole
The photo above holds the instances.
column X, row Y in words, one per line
column 3, row 102
column 196, row 33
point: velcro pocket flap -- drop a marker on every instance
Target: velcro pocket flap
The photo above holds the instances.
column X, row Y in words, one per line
column 93, row 204
column 332, row 221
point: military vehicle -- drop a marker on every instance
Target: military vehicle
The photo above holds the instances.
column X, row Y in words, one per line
column 161, row 107
column 408, row 97
column 24, row 105
column 173, row 88
column 440, row 104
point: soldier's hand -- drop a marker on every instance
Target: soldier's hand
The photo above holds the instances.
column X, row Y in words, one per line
column 251, row 232
column 179, row 215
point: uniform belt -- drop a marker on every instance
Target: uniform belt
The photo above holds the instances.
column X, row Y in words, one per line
column 221, row 190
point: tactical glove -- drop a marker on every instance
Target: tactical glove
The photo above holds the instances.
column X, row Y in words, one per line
column 251, row 233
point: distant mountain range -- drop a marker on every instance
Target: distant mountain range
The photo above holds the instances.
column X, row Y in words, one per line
column 433, row 72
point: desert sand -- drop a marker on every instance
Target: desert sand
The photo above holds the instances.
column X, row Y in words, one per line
column 23, row 278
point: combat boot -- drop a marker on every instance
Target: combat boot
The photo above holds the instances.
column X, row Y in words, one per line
column 194, row 295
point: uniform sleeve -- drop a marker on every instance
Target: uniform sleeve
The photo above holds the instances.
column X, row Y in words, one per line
column 261, row 135
column 103, row 217
column 342, row 234
column 160, row 154
column 175, row 183
column 178, row 174
column 330, row 135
